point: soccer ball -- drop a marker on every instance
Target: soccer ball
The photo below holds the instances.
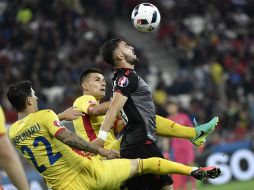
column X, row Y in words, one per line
column 145, row 17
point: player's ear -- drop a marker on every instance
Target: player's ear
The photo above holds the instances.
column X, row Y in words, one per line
column 119, row 56
column 84, row 86
column 29, row 100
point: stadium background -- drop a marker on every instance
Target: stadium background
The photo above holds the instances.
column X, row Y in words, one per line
column 202, row 56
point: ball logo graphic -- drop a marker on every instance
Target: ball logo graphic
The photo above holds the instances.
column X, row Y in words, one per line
column 145, row 17
column 123, row 81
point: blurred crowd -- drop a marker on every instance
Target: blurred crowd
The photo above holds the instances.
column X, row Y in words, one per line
column 214, row 46
column 50, row 43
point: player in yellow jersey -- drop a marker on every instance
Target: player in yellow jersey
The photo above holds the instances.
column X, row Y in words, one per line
column 57, row 154
column 93, row 86
column 9, row 160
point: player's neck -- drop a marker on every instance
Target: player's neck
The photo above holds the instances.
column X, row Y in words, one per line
column 26, row 112
column 22, row 115
column 124, row 64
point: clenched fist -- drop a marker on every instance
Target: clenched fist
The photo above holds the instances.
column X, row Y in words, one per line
column 109, row 154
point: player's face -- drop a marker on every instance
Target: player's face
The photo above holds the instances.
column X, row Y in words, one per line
column 128, row 53
column 95, row 85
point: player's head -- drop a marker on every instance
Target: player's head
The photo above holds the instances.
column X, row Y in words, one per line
column 116, row 51
column 21, row 95
column 93, row 83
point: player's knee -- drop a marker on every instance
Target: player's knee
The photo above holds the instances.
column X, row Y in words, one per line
column 134, row 167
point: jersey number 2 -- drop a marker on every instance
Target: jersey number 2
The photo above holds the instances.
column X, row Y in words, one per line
column 52, row 157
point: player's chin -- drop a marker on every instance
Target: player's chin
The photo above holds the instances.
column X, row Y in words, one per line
column 102, row 94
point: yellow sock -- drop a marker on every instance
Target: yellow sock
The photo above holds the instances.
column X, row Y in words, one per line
column 161, row 166
column 168, row 128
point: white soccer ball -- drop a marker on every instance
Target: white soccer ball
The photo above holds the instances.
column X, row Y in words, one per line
column 145, row 17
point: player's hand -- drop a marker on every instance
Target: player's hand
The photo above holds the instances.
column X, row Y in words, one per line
column 109, row 154
column 70, row 114
column 99, row 142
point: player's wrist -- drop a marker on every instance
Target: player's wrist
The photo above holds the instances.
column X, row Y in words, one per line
column 100, row 151
column 61, row 116
column 103, row 135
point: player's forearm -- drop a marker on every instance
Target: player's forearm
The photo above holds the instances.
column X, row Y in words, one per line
column 116, row 104
column 12, row 166
column 16, row 173
column 70, row 114
column 107, row 123
column 100, row 109
column 76, row 142
column 9, row 161
column 109, row 120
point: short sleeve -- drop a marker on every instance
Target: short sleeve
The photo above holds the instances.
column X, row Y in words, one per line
column 126, row 84
column 2, row 122
column 84, row 102
column 52, row 122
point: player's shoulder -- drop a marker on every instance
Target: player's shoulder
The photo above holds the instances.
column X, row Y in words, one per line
column 43, row 117
column 85, row 98
column 44, row 113
column 126, row 72
column 127, row 75
column 128, row 78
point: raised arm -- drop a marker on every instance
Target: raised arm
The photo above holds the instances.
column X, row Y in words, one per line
column 100, row 109
column 70, row 114
column 116, row 105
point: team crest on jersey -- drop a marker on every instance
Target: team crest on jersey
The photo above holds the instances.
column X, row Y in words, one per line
column 123, row 81
column 58, row 123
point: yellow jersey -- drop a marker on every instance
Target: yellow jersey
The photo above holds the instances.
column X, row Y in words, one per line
column 88, row 126
column 34, row 137
column 2, row 122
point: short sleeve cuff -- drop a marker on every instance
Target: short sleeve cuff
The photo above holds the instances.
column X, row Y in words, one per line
column 59, row 131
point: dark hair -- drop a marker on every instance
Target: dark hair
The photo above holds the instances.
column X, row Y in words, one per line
column 18, row 93
column 107, row 50
column 86, row 72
